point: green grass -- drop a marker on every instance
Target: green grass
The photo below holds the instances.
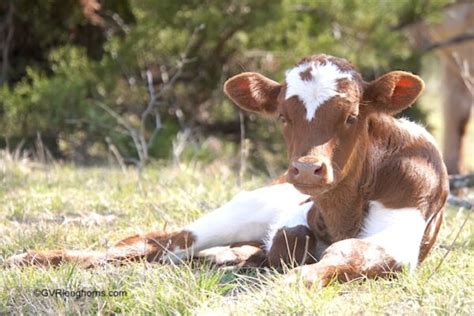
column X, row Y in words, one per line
column 50, row 207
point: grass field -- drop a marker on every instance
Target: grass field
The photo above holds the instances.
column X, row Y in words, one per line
column 49, row 207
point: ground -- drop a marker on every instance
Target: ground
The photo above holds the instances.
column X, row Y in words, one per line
column 46, row 207
column 50, row 207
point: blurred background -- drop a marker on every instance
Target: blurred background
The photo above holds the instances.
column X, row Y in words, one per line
column 130, row 82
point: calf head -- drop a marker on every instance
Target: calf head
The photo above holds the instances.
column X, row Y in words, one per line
column 324, row 106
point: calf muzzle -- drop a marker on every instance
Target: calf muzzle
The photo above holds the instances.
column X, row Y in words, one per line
column 308, row 171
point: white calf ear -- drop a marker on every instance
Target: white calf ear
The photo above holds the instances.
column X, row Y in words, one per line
column 253, row 92
column 393, row 92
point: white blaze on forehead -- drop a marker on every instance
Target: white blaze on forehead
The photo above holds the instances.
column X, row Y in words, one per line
column 320, row 86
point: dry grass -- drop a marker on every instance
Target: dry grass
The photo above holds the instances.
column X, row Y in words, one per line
column 46, row 207
column 64, row 206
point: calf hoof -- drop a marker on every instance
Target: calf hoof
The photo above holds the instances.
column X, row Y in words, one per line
column 317, row 274
column 246, row 256
column 35, row 258
column 292, row 247
column 154, row 247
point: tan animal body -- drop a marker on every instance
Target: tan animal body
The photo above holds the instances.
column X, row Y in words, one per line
column 364, row 192
column 457, row 64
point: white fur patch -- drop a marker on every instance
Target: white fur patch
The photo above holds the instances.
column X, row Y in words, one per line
column 398, row 231
column 247, row 217
column 415, row 130
column 291, row 218
column 321, row 87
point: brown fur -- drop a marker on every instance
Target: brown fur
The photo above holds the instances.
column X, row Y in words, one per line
column 306, row 75
column 370, row 158
column 292, row 246
column 258, row 100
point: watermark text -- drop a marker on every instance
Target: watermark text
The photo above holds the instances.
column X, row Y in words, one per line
column 78, row 294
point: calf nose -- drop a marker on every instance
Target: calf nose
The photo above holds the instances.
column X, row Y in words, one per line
column 305, row 171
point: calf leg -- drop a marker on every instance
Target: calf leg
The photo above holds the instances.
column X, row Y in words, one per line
column 247, row 217
column 389, row 240
column 243, row 255
column 291, row 242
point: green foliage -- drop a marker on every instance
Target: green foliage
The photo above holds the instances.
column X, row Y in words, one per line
column 78, row 64
column 42, row 102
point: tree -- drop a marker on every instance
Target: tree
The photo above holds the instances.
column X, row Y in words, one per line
column 77, row 58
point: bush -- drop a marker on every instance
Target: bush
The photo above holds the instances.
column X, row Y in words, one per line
column 62, row 89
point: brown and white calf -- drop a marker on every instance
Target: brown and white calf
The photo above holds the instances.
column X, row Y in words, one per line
column 364, row 193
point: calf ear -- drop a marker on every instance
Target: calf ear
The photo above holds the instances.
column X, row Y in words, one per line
column 393, row 92
column 253, row 92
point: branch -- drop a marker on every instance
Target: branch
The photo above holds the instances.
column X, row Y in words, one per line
column 116, row 116
column 139, row 134
column 458, row 202
column 461, row 181
column 152, row 103
column 461, row 38
column 225, row 36
column 131, row 131
column 114, row 150
column 183, row 61
column 465, row 72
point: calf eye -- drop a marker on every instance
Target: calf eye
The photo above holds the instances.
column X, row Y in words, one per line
column 351, row 119
column 281, row 118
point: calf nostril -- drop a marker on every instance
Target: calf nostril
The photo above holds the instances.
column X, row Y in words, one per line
column 295, row 171
column 318, row 169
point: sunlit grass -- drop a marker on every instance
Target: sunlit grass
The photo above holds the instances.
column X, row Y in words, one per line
column 84, row 208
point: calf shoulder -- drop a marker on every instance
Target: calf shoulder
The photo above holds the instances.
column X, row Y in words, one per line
column 407, row 166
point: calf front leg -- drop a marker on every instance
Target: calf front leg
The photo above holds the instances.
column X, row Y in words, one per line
column 389, row 240
column 247, row 217
column 348, row 260
column 291, row 242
